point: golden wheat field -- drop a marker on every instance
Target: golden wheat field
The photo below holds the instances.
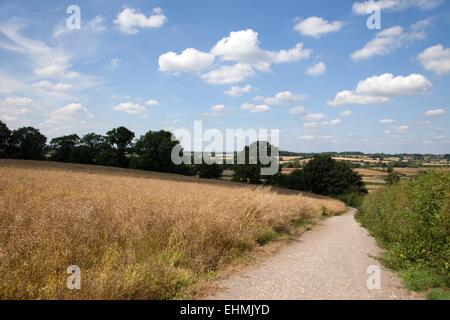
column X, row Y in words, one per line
column 134, row 235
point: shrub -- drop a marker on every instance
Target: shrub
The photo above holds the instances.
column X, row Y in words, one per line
column 293, row 180
column 209, row 171
column 412, row 221
column 185, row 169
column 392, row 178
column 351, row 199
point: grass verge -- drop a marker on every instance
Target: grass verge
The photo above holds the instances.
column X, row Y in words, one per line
column 410, row 221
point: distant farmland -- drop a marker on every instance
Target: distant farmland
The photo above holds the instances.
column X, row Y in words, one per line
column 373, row 174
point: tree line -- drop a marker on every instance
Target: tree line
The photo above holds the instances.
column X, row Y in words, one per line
column 117, row 148
column 152, row 151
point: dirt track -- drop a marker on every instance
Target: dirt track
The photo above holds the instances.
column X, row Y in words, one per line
column 329, row 262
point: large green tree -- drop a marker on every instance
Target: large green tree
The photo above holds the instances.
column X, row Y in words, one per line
column 250, row 170
column 324, row 175
column 121, row 140
column 153, row 152
column 27, row 143
column 5, row 135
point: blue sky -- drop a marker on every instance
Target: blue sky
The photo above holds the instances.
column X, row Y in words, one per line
column 312, row 69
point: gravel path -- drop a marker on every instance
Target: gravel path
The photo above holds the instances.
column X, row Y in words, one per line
column 329, row 262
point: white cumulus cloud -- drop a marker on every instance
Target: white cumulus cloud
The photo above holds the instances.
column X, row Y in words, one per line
column 190, row 60
column 316, row 70
column 291, row 55
column 152, row 102
column 244, row 46
column 378, row 89
column 217, row 110
column 130, row 108
column 282, row 98
column 335, row 122
column 229, row 74
column 348, row 97
column 316, row 27
column 436, row 59
column 48, row 85
column 360, row 8
column 241, row 48
column 130, row 20
column 69, row 114
column 435, row 112
column 397, row 130
column 67, row 118
column 252, row 108
column 314, row 116
column 16, row 101
column 389, row 85
column 238, row 91
column 311, row 125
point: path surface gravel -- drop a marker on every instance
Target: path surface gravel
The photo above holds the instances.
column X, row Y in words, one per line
column 329, row 262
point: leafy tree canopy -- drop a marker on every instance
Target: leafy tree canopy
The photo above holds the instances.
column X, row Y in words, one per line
column 121, row 140
column 27, row 143
column 63, row 147
column 324, row 175
column 153, row 151
column 250, row 172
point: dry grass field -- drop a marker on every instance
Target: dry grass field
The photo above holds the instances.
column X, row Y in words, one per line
column 134, row 235
column 374, row 179
column 371, row 172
